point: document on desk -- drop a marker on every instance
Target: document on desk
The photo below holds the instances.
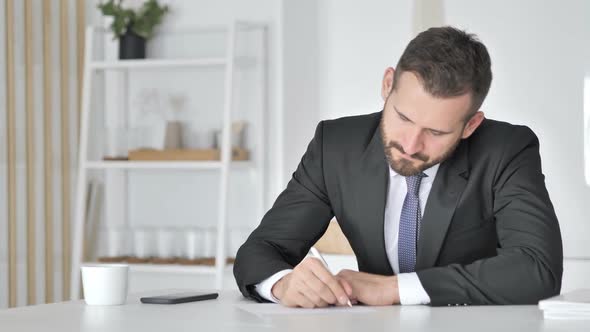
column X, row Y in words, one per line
column 264, row 309
column 571, row 305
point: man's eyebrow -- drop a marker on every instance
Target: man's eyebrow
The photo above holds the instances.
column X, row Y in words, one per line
column 402, row 114
column 431, row 129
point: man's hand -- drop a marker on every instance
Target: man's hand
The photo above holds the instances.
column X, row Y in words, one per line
column 371, row 289
column 311, row 285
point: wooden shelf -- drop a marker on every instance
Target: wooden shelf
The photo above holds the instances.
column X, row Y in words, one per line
column 185, row 155
column 206, row 159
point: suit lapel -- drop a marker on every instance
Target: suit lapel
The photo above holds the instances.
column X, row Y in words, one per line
column 447, row 188
column 371, row 199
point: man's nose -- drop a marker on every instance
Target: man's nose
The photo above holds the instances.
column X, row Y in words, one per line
column 413, row 143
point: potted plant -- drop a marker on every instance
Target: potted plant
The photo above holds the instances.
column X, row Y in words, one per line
column 133, row 23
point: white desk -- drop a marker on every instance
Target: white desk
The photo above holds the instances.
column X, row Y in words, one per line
column 223, row 315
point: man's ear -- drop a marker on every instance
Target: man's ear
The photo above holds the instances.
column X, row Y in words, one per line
column 387, row 82
column 472, row 124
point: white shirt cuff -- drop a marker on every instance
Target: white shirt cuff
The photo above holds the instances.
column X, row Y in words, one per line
column 411, row 291
column 264, row 288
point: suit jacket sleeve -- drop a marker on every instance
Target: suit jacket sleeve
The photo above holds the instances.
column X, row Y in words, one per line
column 529, row 261
column 295, row 222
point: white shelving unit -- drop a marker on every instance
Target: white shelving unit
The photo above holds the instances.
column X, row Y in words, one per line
column 228, row 62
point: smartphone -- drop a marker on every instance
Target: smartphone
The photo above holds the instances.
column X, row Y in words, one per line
column 179, row 298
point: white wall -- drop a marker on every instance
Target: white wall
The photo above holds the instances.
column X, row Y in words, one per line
column 358, row 40
column 300, row 80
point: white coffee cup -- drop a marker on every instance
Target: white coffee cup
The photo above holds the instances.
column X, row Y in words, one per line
column 105, row 284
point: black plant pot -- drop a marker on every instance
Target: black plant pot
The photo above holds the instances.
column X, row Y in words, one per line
column 131, row 46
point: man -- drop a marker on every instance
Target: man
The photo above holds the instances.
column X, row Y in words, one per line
column 440, row 205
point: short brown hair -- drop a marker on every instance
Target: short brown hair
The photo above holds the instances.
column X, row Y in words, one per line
column 449, row 62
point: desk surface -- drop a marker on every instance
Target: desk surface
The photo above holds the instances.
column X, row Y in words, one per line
column 224, row 315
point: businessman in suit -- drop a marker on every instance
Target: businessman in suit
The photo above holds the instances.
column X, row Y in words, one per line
column 440, row 205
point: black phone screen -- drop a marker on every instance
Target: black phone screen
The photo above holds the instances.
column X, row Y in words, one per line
column 179, row 298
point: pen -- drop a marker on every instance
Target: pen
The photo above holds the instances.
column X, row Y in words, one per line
column 316, row 254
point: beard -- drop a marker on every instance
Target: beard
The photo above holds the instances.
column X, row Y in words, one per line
column 406, row 167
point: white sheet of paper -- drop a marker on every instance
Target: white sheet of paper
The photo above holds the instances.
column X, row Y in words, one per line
column 277, row 309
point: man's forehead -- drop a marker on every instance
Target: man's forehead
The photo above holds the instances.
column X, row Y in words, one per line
column 411, row 99
column 428, row 117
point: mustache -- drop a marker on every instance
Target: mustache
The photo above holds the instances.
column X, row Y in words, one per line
column 397, row 146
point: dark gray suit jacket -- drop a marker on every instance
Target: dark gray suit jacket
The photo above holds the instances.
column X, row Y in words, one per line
column 489, row 234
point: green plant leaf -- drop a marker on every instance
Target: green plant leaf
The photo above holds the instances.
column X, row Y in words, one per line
column 142, row 22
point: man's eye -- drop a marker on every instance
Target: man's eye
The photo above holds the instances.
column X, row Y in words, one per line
column 403, row 118
column 435, row 133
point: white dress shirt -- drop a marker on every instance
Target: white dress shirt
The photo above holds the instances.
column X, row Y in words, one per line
column 411, row 291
